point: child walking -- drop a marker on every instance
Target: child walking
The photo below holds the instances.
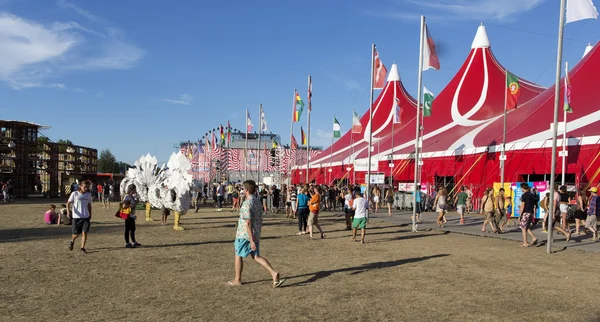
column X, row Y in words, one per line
column 128, row 213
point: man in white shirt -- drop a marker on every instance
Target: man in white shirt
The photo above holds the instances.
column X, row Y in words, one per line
column 81, row 213
column 360, row 206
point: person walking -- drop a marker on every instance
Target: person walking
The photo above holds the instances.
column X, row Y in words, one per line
column 389, row 200
column 488, row 207
column 500, row 204
column 360, row 206
column 440, row 205
column 461, row 203
column 220, row 196
column 302, row 212
column 564, row 208
column 247, row 237
column 348, row 212
column 527, row 215
column 581, row 212
column 313, row 217
column 130, row 199
column 79, row 207
column 591, row 222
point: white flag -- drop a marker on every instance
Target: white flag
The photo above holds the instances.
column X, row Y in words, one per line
column 263, row 121
column 580, row 9
column 249, row 125
column 430, row 58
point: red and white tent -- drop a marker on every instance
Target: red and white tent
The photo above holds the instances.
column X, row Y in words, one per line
column 463, row 136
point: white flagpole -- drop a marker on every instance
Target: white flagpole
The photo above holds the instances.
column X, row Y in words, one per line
column 259, row 132
column 368, row 178
column 564, row 141
column 418, row 130
column 331, row 154
column 246, row 150
column 502, row 155
column 291, row 134
column 308, row 130
column 561, row 29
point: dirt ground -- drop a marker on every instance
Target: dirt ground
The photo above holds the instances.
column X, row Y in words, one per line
column 180, row 275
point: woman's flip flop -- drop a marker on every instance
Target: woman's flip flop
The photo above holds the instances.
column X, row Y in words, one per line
column 278, row 283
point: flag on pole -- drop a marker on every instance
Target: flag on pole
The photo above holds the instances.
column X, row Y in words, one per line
column 567, row 106
column 356, row 125
column 249, row 125
column 263, row 121
column 513, row 90
column 207, row 143
column 427, row 101
column 222, row 136
column 430, row 58
column 397, row 110
column 302, row 136
column 294, row 143
column 214, row 140
column 228, row 132
column 379, row 72
column 298, row 107
column 309, row 97
column 580, row 10
column 275, row 144
column 337, row 131
column 266, row 147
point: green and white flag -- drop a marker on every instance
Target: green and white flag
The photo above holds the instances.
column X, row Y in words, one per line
column 427, row 101
column 337, row 133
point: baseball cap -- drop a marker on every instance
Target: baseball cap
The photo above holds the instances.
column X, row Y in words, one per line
column 594, row 190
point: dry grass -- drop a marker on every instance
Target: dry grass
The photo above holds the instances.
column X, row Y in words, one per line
column 396, row 276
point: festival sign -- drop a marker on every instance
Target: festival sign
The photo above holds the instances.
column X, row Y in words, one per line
column 542, row 188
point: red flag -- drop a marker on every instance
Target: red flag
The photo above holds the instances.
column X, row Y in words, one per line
column 302, row 136
column 294, row 143
column 430, row 58
column 379, row 72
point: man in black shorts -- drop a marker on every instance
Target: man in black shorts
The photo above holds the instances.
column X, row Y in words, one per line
column 81, row 212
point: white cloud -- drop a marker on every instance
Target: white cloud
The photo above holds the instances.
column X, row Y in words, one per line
column 184, row 99
column 462, row 9
column 32, row 52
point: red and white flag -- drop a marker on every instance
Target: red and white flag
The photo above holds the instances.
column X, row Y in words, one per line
column 397, row 110
column 379, row 72
column 294, row 143
column 430, row 58
column 356, row 125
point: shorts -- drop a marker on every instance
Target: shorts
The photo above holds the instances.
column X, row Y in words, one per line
column 359, row 223
column 438, row 209
column 525, row 221
column 418, row 210
column 243, row 249
column 390, row 201
column 490, row 215
column 376, row 199
column 580, row 214
column 236, row 199
column 313, row 219
column 591, row 222
column 288, row 204
column 564, row 208
column 80, row 225
column 461, row 209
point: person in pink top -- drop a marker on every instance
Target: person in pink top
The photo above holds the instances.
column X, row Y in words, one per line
column 50, row 216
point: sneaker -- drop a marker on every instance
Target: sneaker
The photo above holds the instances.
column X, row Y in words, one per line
column 129, row 246
column 83, row 251
column 136, row 244
column 219, row 209
column 71, row 245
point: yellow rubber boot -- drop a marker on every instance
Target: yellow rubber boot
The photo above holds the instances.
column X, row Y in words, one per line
column 176, row 221
column 148, row 211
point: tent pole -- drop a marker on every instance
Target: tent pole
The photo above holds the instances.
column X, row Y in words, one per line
column 259, row 132
column 368, row 178
column 418, row 130
column 502, row 155
column 561, row 29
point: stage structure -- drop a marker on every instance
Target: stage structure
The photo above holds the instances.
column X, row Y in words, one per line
column 214, row 162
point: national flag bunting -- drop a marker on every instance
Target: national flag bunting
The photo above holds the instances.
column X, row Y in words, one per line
column 430, row 58
column 379, row 72
column 294, row 143
column 222, row 136
column 263, row 121
column 214, row 140
column 249, row 125
column 337, row 132
column 302, row 136
column 309, row 95
column 228, row 132
column 427, row 101
column 567, row 98
column 298, row 107
column 397, row 110
column 513, row 90
column 356, row 125
column 580, row 10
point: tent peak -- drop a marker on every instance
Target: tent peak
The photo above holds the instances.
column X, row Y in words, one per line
column 393, row 75
column 481, row 39
column 588, row 48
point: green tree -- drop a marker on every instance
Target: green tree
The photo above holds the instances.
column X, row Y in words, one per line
column 63, row 144
column 121, row 167
column 107, row 163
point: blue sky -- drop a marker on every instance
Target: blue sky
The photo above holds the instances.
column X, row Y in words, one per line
column 141, row 76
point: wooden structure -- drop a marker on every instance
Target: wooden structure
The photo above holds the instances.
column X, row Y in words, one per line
column 37, row 166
